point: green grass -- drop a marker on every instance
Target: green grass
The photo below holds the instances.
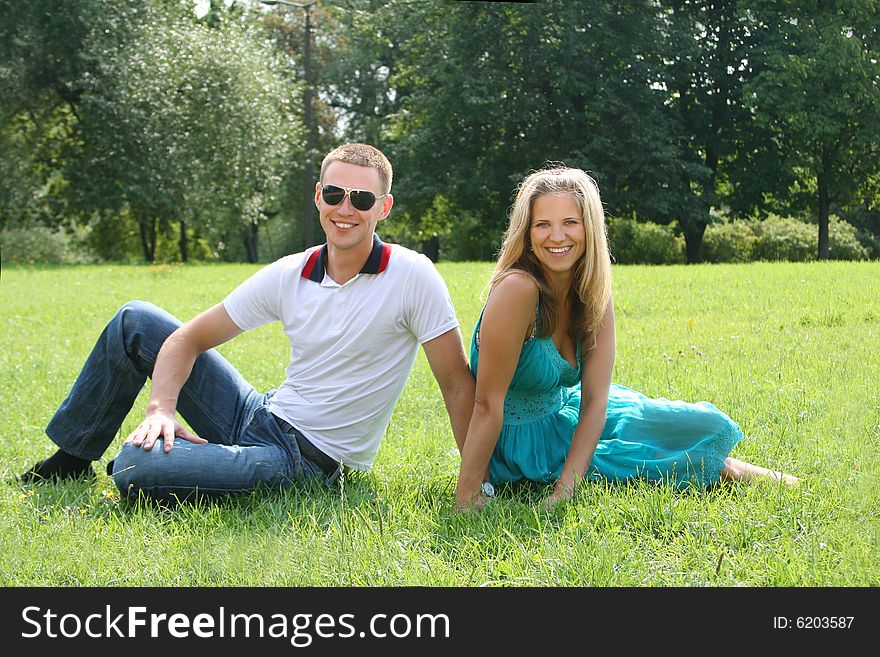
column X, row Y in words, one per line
column 788, row 350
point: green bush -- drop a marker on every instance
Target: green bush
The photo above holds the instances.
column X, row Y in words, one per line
column 470, row 240
column 870, row 241
column 844, row 241
column 445, row 231
column 116, row 238
column 38, row 244
column 785, row 238
column 113, row 237
column 168, row 245
column 866, row 221
column 732, row 241
column 633, row 242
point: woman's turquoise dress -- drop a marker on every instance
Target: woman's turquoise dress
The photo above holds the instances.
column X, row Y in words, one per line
column 657, row 439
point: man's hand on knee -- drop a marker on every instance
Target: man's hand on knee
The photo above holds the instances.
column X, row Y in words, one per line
column 160, row 423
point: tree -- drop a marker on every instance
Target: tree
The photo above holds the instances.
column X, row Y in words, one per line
column 43, row 61
column 142, row 109
column 33, row 186
column 287, row 26
column 364, row 48
column 709, row 50
column 818, row 97
column 187, row 121
column 486, row 92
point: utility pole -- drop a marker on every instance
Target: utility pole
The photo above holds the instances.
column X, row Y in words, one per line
column 308, row 191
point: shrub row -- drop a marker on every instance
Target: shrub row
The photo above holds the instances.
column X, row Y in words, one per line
column 779, row 238
column 631, row 242
column 774, row 238
column 105, row 239
column 38, row 244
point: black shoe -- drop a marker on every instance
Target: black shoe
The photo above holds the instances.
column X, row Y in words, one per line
column 36, row 475
column 110, row 467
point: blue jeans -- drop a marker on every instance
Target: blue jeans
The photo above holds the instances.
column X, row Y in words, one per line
column 248, row 446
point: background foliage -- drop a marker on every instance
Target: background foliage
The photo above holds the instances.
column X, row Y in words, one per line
column 172, row 133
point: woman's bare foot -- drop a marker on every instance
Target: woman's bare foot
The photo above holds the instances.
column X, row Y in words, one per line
column 785, row 478
column 736, row 470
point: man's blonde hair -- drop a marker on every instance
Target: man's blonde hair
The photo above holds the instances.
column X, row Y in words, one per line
column 363, row 155
column 591, row 280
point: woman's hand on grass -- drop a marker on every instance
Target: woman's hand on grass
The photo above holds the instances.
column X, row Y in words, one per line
column 561, row 493
column 468, row 497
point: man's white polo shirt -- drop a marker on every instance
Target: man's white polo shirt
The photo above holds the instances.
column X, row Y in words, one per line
column 352, row 346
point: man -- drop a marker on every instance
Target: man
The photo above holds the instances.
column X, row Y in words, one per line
column 354, row 310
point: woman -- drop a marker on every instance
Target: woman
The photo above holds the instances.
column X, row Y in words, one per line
column 543, row 351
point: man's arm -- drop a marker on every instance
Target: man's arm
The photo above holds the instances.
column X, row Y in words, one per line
column 173, row 366
column 450, row 367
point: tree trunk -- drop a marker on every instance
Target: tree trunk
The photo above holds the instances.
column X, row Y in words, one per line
column 250, row 235
column 693, row 240
column 184, row 246
column 148, row 238
column 824, row 209
column 431, row 248
column 311, row 137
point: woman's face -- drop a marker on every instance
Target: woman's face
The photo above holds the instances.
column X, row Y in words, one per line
column 557, row 232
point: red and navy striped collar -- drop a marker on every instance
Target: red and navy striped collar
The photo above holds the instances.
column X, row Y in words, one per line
column 376, row 263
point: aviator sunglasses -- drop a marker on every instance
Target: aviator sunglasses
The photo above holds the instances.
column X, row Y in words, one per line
column 360, row 199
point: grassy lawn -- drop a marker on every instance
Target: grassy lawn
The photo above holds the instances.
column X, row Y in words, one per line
column 788, row 350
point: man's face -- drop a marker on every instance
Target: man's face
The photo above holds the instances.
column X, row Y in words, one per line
column 347, row 228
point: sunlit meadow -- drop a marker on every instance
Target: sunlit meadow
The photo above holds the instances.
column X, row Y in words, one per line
column 788, row 350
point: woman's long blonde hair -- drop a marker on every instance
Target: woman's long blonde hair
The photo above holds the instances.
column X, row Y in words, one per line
column 591, row 280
